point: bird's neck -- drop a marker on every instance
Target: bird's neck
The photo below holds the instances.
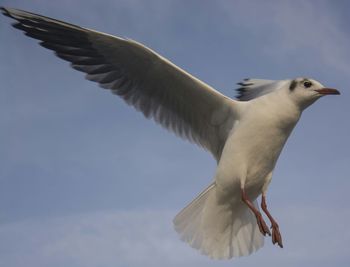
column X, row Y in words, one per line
column 280, row 111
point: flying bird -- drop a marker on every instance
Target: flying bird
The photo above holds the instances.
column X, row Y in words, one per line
column 245, row 136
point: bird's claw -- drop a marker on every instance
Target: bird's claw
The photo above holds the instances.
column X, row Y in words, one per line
column 276, row 235
column 262, row 225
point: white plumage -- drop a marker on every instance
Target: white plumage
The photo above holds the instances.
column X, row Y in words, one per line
column 245, row 137
column 219, row 230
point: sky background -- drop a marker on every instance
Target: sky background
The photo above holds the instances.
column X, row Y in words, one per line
column 87, row 181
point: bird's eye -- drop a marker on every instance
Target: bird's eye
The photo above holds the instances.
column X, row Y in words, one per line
column 307, row 84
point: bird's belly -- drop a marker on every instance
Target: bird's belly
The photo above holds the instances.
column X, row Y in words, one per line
column 247, row 159
column 260, row 162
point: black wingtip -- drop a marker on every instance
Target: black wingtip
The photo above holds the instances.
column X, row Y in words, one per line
column 244, row 84
column 5, row 11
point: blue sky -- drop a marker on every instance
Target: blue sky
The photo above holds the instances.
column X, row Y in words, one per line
column 87, row 181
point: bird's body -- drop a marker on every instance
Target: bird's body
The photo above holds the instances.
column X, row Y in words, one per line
column 256, row 140
column 248, row 159
column 245, row 137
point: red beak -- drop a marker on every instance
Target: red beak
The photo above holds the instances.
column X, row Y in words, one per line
column 328, row 91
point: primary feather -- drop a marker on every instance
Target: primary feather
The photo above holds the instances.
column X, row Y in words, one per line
column 152, row 84
column 253, row 88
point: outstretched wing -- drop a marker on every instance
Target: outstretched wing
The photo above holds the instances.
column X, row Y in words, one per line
column 253, row 88
column 144, row 79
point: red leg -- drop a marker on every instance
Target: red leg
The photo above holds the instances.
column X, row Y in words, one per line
column 261, row 223
column 276, row 235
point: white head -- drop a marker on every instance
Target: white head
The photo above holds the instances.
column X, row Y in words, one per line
column 305, row 91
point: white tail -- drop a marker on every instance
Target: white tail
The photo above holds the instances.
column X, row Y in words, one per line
column 221, row 231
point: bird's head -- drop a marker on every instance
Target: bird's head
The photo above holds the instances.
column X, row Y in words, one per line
column 305, row 91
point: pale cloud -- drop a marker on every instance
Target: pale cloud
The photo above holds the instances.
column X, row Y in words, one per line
column 294, row 28
column 111, row 238
column 313, row 236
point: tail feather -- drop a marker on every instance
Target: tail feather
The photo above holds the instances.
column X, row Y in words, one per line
column 221, row 231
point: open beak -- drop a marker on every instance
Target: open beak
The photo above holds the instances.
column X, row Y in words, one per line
column 328, row 91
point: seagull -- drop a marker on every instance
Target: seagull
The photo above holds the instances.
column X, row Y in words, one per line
column 245, row 136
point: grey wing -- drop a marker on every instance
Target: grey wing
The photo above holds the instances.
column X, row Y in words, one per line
column 253, row 88
column 144, row 79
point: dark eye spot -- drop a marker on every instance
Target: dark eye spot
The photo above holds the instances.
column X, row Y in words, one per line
column 307, row 84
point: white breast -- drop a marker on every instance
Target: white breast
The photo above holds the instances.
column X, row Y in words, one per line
column 256, row 141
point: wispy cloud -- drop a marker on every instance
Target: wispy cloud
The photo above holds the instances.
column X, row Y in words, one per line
column 298, row 28
column 94, row 239
column 146, row 238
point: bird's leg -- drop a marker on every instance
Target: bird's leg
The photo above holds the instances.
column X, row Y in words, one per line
column 261, row 223
column 276, row 235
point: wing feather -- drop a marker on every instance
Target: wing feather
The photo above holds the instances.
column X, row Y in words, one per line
column 253, row 88
column 144, row 79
